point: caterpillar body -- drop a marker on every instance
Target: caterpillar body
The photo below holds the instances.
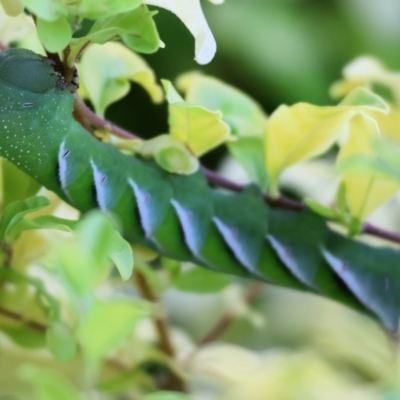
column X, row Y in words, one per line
column 178, row 216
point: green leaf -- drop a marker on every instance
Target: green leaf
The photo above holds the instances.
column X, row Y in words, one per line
column 12, row 7
column 49, row 10
column 365, row 190
column 25, row 336
column 110, row 83
column 200, row 280
column 115, row 320
column 167, row 396
column 48, row 304
column 43, row 222
column 54, row 35
column 106, row 243
column 135, row 28
column 244, row 116
column 15, row 211
column 200, row 129
column 17, row 185
column 248, row 152
column 86, row 261
column 61, row 342
column 322, row 210
column 135, row 377
column 95, row 9
column 49, row 384
column 170, row 154
column 366, row 99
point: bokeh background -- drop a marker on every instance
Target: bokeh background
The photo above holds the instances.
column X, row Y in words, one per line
column 280, row 51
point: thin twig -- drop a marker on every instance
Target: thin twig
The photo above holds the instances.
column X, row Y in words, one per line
column 373, row 230
column 226, row 319
column 174, row 382
column 219, row 180
column 100, row 122
column 281, row 202
column 37, row 326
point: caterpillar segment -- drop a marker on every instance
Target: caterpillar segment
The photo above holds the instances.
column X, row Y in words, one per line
column 178, row 216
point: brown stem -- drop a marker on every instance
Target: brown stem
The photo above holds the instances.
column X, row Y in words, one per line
column 379, row 232
column 100, row 122
column 174, row 382
column 219, row 180
column 280, row 202
column 37, row 326
column 226, row 319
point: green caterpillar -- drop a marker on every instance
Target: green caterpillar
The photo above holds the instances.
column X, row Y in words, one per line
column 180, row 216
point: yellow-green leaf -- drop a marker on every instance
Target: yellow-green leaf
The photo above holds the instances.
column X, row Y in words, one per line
column 171, row 154
column 364, row 190
column 110, row 83
column 54, row 35
column 239, row 111
column 12, row 7
column 107, row 324
column 302, row 131
column 200, row 129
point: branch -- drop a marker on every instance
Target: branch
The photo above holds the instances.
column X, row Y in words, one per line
column 37, row 326
column 226, row 319
column 99, row 122
column 174, row 382
column 219, row 180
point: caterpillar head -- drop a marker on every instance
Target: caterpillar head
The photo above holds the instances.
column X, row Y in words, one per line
column 26, row 71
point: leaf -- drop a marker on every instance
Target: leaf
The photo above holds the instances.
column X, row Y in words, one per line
column 297, row 133
column 364, row 191
column 15, row 211
column 49, row 384
column 170, row 154
column 248, row 151
column 111, row 82
column 25, row 336
column 191, row 14
column 95, row 9
column 200, row 129
column 106, row 244
column 54, row 35
column 244, row 116
column 48, row 10
column 167, row 396
column 115, row 320
column 86, row 261
column 200, row 280
column 12, row 7
column 321, row 209
column 135, row 28
column 61, row 342
column 43, row 222
column 46, row 302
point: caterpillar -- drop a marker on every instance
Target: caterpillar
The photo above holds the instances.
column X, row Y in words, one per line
column 181, row 216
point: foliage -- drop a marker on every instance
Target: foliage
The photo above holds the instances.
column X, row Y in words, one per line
column 74, row 327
